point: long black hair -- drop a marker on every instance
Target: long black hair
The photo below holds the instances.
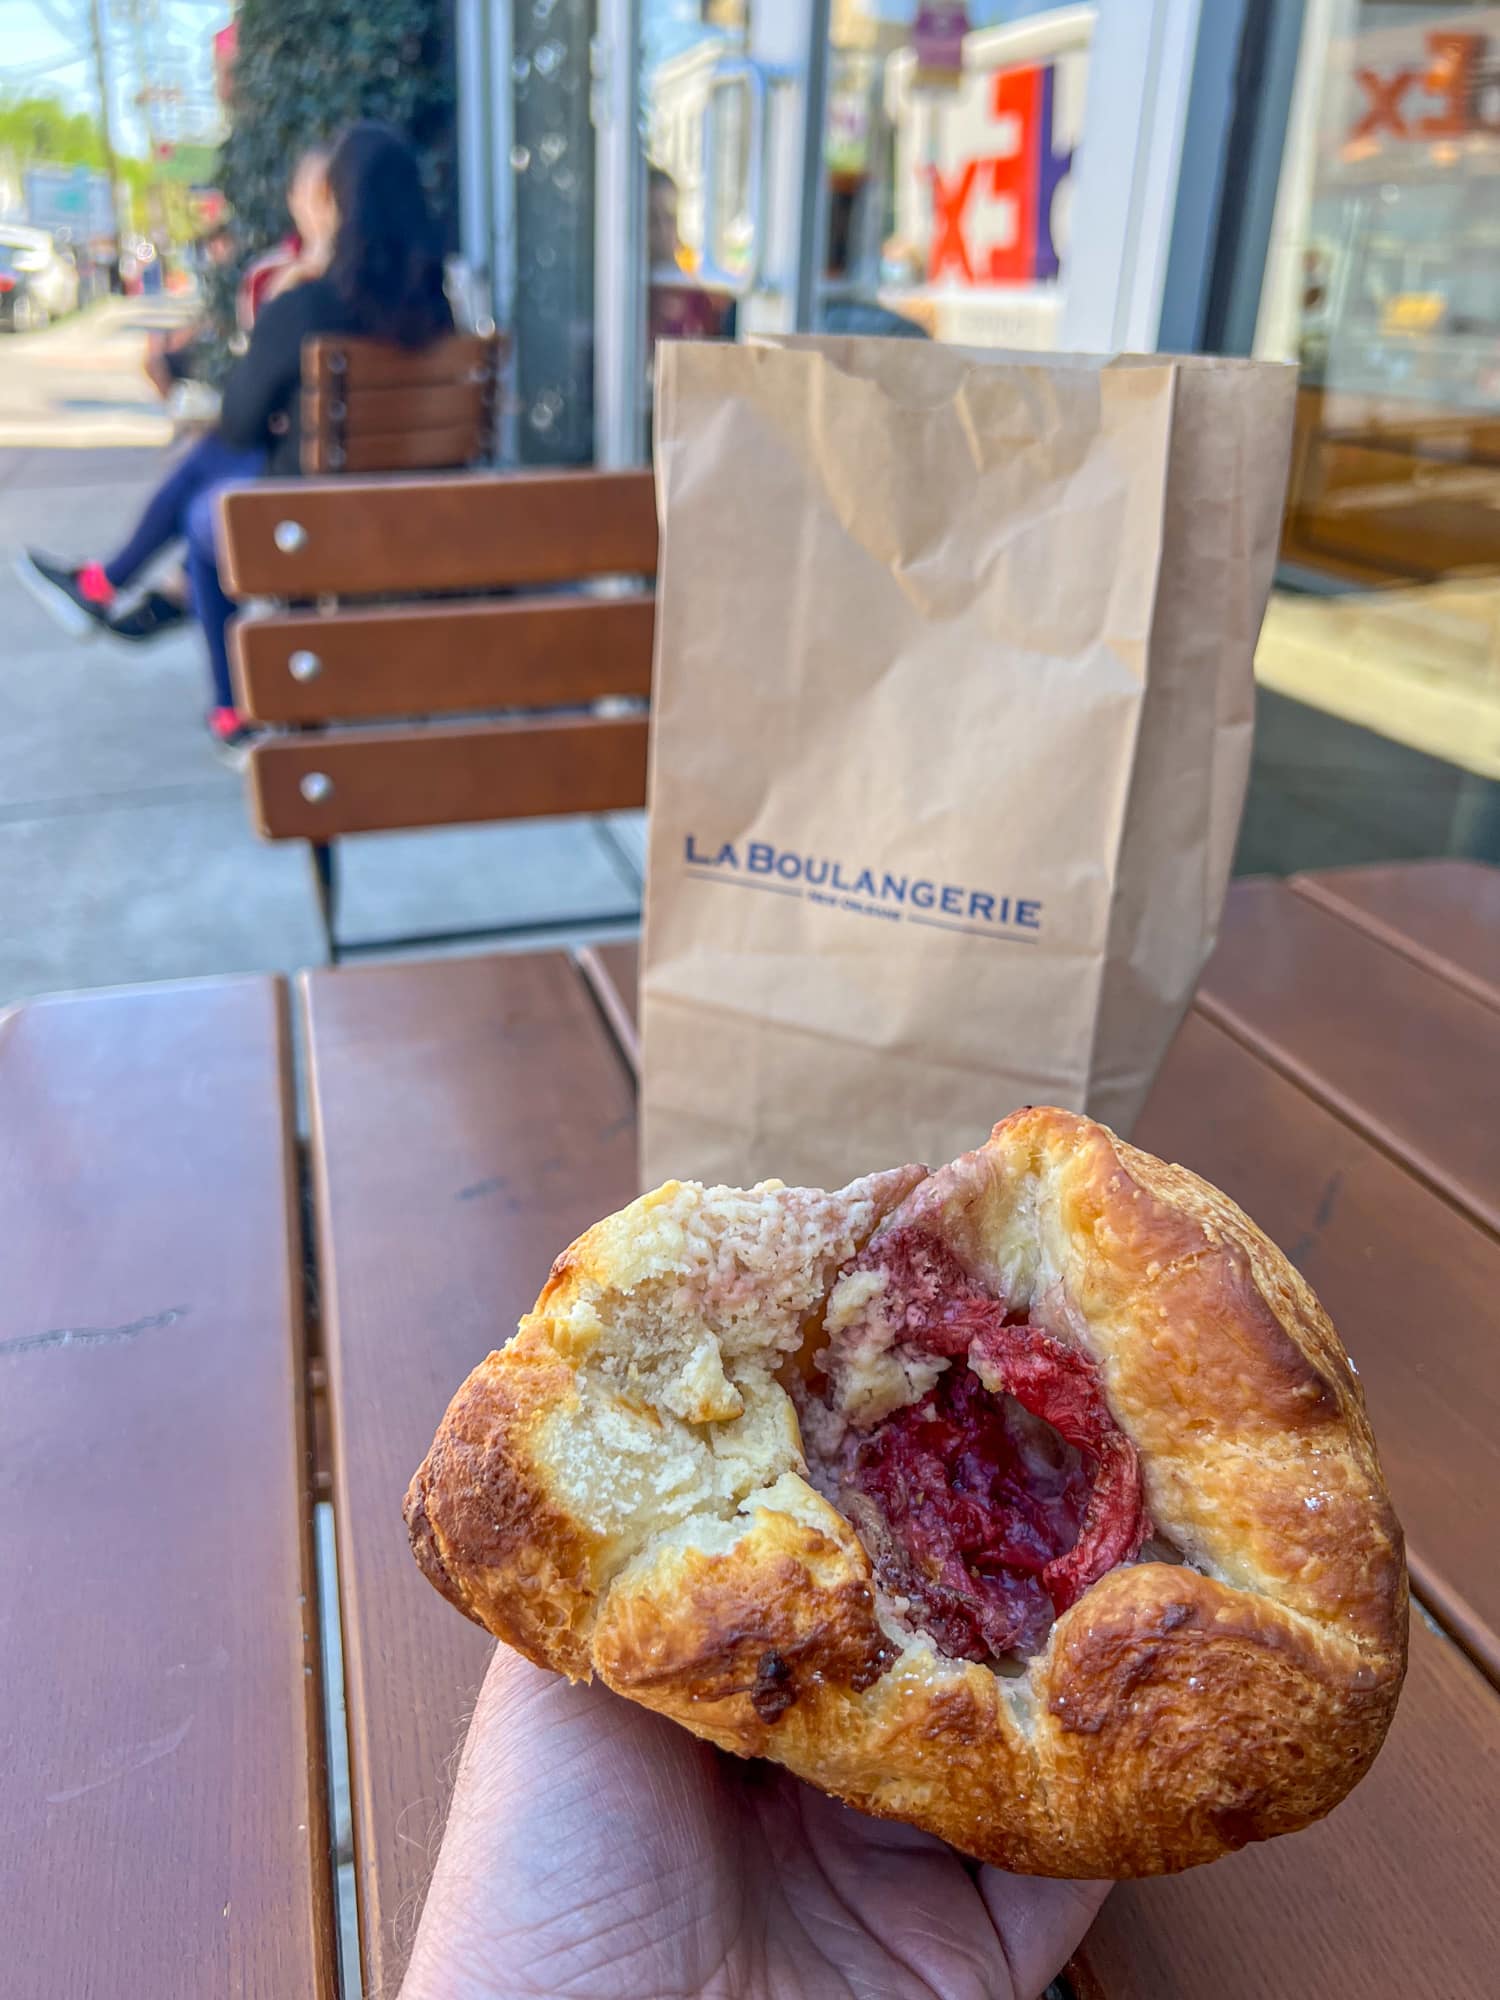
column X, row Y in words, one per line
column 387, row 257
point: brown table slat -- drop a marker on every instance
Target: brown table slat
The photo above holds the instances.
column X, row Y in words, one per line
column 422, row 407
column 1444, row 914
column 1394, row 1893
column 452, row 447
column 470, row 1118
column 614, row 973
column 1405, row 1057
column 165, row 1822
column 1410, row 1283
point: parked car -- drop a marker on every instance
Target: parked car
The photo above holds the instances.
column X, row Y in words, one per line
column 38, row 282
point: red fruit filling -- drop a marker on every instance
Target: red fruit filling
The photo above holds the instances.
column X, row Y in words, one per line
column 1006, row 1490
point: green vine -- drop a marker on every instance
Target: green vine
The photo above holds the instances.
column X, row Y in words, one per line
column 306, row 68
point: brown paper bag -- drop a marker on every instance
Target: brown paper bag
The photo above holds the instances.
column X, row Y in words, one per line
column 950, row 730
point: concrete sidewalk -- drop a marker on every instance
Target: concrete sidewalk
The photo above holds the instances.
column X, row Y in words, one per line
column 125, row 848
column 79, row 386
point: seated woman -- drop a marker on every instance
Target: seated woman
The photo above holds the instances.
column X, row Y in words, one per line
column 383, row 278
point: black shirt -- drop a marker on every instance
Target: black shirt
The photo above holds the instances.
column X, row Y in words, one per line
column 262, row 397
column 266, row 385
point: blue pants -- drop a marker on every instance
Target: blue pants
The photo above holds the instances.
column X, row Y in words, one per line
column 183, row 509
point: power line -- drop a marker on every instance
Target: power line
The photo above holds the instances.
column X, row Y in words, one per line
column 71, row 30
column 106, row 130
column 26, row 72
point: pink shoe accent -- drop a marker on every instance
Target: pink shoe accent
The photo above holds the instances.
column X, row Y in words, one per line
column 95, row 585
column 223, row 722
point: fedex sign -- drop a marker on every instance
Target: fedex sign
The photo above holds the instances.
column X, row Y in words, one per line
column 1021, row 177
column 1458, row 71
column 983, row 174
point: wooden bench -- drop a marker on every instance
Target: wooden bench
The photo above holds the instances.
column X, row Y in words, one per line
column 370, row 407
column 393, row 707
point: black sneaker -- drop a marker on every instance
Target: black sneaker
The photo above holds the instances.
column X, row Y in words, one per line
column 155, row 614
column 60, row 591
column 231, row 737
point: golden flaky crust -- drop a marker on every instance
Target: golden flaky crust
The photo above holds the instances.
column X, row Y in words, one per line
column 622, row 1491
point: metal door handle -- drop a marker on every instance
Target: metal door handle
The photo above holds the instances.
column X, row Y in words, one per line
column 758, row 79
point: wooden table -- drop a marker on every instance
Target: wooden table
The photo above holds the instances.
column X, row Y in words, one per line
column 165, row 1334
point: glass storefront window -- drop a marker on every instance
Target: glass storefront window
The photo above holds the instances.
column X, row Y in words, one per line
column 1384, row 289
column 947, row 152
column 698, row 222
column 1392, row 307
column 694, row 136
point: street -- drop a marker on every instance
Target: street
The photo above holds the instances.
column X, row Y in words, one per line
column 78, row 384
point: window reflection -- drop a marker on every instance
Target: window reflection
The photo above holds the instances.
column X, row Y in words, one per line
column 1384, row 289
column 1394, row 316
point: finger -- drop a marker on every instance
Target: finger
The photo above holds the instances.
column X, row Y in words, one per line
column 535, row 1714
column 1040, row 1921
column 540, row 1743
column 587, row 1843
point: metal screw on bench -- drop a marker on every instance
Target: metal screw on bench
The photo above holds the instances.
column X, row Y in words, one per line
column 289, row 536
column 305, row 666
column 316, row 787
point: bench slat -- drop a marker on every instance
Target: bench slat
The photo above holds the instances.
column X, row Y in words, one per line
column 1405, row 1057
column 446, row 774
column 355, row 362
column 445, row 445
column 165, row 1826
column 1444, row 914
column 473, row 532
column 1393, row 1893
column 1409, row 1282
column 390, row 412
column 470, row 1117
column 445, row 657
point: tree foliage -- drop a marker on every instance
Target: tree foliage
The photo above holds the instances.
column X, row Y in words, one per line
column 40, row 131
column 306, row 68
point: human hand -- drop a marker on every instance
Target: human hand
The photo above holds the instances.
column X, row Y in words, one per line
column 595, row 1850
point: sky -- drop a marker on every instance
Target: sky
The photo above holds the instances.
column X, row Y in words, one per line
column 45, row 47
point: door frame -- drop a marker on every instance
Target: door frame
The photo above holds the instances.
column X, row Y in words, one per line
column 620, row 275
column 1125, row 193
column 792, row 36
column 485, row 127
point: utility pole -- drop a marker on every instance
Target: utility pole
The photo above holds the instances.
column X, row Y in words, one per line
column 145, row 89
column 146, row 101
column 106, row 130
